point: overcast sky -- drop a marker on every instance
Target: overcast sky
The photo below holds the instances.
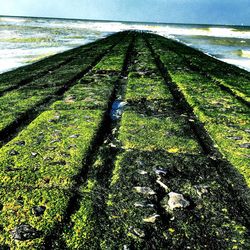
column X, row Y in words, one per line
column 169, row 11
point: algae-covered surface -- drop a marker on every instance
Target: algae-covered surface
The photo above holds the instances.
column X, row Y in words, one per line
column 132, row 142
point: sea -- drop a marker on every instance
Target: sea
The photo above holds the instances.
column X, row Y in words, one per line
column 25, row 40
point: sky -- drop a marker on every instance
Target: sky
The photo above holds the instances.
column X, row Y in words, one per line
column 167, row 11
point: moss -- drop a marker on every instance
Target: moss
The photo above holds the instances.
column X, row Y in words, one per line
column 51, row 149
column 94, row 94
column 224, row 116
column 152, row 133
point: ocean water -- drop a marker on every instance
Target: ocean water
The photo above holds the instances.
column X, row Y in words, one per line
column 27, row 40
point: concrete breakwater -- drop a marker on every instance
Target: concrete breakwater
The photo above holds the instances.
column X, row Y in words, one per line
column 171, row 171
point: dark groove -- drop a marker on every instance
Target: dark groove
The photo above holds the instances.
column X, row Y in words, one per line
column 53, row 241
column 9, row 132
column 222, row 166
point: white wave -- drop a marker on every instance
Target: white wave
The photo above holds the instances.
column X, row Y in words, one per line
column 13, row 19
column 242, row 63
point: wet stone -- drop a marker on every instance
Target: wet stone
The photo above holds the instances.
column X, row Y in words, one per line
column 245, row 145
column 177, row 201
column 25, row 232
column 38, row 210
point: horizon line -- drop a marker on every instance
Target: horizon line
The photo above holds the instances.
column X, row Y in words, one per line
column 141, row 22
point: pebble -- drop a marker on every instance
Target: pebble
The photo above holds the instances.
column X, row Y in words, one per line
column 142, row 172
column 201, row 189
column 145, row 190
column 38, row 210
column 24, row 232
column 245, row 145
column 137, row 232
column 13, row 152
column 74, row 136
column 62, row 162
column 143, row 204
column 20, row 143
column 34, row 154
column 235, row 137
column 177, row 201
column 151, row 219
column 160, row 172
column 56, row 140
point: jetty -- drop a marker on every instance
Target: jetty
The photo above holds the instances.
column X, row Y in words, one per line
column 134, row 141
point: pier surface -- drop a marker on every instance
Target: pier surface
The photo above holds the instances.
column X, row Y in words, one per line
column 134, row 141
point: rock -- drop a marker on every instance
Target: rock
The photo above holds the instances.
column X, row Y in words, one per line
column 137, row 232
column 166, row 188
column 201, row 189
column 235, row 137
column 143, row 204
column 55, row 140
column 142, row 172
column 74, row 136
column 20, row 143
column 245, row 145
column 160, row 172
column 55, row 119
column 177, row 201
column 151, row 219
column 38, row 210
column 13, row 152
column 61, row 162
column 25, row 232
column 145, row 190
column 34, row 154
column 69, row 99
